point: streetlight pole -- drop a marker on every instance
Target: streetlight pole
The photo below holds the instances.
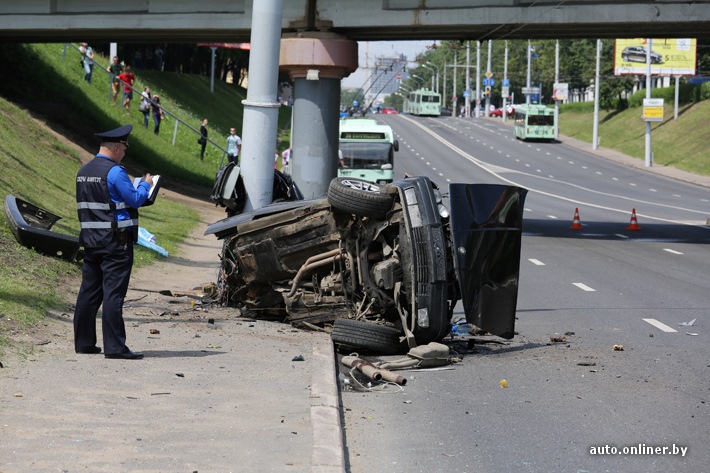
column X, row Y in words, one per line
column 437, row 75
column 488, row 74
column 595, row 134
column 527, row 83
column 478, row 78
column 467, row 112
column 432, row 76
column 505, row 81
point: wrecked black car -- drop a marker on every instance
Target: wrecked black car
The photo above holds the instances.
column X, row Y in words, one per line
column 383, row 265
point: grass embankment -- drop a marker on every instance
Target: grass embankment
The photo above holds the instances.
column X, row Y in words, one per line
column 41, row 167
column 680, row 143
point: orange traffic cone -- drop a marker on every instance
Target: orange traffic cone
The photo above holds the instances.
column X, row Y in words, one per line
column 634, row 225
column 576, row 224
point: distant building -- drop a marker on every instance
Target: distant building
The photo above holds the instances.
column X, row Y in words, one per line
column 386, row 75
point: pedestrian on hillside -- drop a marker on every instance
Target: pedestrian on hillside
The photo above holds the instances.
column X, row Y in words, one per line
column 107, row 203
column 114, row 70
column 87, row 59
column 158, row 113
column 234, row 146
column 128, row 79
column 144, row 107
column 203, row 138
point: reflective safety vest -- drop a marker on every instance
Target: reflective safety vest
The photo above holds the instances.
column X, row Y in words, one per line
column 95, row 209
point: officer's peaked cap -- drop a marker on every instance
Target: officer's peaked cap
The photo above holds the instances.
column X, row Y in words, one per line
column 117, row 135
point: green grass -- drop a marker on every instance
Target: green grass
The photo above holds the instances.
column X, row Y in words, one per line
column 680, row 143
column 40, row 168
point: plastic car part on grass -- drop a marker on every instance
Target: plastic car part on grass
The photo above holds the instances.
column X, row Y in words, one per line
column 32, row 225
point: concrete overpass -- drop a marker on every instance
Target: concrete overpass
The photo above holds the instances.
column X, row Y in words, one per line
column 367, row 20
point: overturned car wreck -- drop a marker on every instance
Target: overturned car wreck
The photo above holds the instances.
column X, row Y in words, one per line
column 384, row 265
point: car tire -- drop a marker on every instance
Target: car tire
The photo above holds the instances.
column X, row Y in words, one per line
column 367, row 337
column 359, row 197
column 625, row 58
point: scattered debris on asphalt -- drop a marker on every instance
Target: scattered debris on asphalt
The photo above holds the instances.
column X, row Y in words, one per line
column 154, row 331
column 618, row 347
column 373, row 372
column 688, row 324
column 586, row 363
column 558, row 339
column 298, row 358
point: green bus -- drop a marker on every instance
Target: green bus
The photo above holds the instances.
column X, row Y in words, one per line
column 366, row 150
column 534, row 122
column 423, row 102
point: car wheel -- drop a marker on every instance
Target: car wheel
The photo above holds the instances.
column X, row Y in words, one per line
column 369, row 337
column 359, row 197
column 625, row 58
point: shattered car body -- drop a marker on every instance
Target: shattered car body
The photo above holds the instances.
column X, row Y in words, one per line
column 384, row 264
column 31, row 225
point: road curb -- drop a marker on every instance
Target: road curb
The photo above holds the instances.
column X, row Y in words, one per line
column 328, row 451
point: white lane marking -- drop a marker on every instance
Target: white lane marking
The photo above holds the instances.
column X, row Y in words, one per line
column 552, row 217
column 536, row 262
column 672, row 251
column 584, row 287
column 484, row 166
column 660, row 325
column 621, row 236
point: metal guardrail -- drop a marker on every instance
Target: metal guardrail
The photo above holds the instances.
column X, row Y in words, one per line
column 178, row 120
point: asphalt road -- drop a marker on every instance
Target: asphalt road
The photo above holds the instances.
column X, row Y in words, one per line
column 598, row 287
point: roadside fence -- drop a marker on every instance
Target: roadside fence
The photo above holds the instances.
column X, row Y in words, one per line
column 178, row 121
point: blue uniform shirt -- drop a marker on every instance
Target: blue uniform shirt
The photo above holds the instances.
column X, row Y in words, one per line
column 120, row 189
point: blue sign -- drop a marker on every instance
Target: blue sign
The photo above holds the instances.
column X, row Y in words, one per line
column 489, row 82
column 506, row 82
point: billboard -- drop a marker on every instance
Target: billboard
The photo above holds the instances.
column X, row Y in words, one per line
column 672, row 56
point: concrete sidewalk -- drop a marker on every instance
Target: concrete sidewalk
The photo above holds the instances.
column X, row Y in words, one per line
column 223, row 397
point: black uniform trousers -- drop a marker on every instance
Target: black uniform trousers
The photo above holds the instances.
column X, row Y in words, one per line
column 105, row 276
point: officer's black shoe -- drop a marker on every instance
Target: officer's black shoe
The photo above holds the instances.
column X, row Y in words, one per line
column 90, row 351
column 126, row 355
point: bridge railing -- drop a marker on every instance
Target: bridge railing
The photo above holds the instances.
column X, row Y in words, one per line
column 178, row 121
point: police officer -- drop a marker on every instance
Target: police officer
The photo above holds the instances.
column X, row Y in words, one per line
column 107, row 204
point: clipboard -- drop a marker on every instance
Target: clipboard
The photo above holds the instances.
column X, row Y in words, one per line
column 153, row 192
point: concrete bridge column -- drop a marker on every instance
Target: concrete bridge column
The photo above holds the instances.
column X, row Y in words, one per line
column 316, row 62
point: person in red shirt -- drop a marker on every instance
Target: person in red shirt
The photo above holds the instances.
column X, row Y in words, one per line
column 128, row 80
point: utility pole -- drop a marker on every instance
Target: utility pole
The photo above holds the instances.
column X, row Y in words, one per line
column 467, row 112
column 557, row 81
column 527, row 82
column 648, row 155
column 443, row 98
column 455, row 97
column 488, row 76
column 478, row 78
column 505, row 81
column 597, row 86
